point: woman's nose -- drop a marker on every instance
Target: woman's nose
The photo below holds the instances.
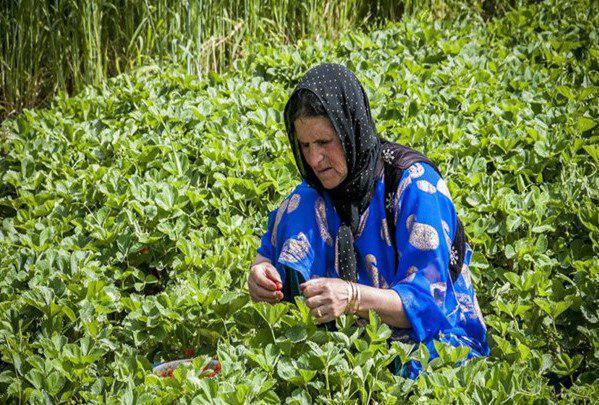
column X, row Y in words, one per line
column 315, row 156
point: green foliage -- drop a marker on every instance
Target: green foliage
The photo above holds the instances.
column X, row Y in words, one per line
column 130, row 215
column 48, row 46
column 52, row 46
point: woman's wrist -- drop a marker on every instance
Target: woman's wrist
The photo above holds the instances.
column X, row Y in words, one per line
column 354, row 297
column 385, row 302
column 259, row 259
column 357, row 298
column 349, row 296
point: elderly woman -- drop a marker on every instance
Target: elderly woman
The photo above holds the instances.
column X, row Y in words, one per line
column 371, row 227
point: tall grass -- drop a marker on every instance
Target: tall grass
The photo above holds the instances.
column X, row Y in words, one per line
column 60, row 45
column 48, row 46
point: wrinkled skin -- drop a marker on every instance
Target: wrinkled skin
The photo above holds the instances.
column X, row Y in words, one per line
column 322, row 150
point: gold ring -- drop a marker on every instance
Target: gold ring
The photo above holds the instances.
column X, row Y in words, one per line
column 318, row 312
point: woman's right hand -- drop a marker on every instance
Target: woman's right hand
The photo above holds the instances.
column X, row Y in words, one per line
column 264, row 283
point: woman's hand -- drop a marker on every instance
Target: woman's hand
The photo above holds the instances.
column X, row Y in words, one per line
column 264, row 283
column 326, row 297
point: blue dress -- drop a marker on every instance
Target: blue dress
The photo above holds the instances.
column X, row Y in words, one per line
column 301, row 235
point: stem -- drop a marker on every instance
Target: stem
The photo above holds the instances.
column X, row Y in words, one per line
column 326, row 377
column 226, row 330
column 376, row 375
column 559, row 350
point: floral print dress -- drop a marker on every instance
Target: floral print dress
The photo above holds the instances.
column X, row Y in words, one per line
column 301, row 235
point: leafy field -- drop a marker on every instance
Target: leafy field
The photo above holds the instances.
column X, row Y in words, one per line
column 47, row 46
column 131, row 213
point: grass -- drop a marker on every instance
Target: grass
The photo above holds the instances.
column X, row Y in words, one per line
column 61, row 45
column 52, row 46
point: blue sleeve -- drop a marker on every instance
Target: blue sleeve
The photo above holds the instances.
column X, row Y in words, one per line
column 424, row 226
column 266, row 248
column 294, row 237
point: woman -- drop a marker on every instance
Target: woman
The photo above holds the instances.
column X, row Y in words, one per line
column 365, row 233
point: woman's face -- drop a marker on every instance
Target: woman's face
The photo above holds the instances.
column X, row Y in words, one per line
column 322, row 150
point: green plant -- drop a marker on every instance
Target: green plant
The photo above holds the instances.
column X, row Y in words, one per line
column 131, row 212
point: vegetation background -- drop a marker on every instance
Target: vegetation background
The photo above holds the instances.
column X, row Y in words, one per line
column 52, row 46
column 131, row 207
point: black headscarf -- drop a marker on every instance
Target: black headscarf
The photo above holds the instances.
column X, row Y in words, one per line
column 348, row 109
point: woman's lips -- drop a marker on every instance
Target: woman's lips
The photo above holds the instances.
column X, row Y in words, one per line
column 324, row 171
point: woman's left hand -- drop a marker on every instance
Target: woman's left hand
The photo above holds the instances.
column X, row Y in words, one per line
column 326, row 297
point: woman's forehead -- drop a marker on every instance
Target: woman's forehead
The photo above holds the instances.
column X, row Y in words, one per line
column 309, row 128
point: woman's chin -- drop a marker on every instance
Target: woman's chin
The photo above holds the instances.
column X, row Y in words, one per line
column 329, row 183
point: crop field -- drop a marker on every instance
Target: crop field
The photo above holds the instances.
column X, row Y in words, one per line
column 130, row 214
